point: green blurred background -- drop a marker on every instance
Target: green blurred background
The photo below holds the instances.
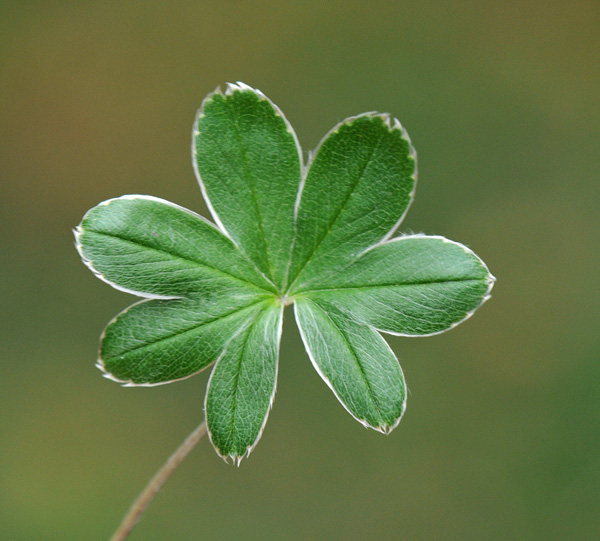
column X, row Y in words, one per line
column 501, row 437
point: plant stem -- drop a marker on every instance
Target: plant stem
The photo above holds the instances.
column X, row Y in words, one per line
column 160, row 477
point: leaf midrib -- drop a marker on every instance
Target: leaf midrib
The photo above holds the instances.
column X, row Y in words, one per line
column 252, row 184
column 356, row 358
column 177, row 256
column 392, row 285
column 233, row 430
column 188, row 330
column 340, row 210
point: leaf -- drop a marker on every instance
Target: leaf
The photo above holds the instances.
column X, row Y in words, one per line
column 414, row 285
column 160, row 341
column 242, row 386
column 355, row 362
column 248, row 163
column 152, row 248
column 318, row 236
column 357, row 191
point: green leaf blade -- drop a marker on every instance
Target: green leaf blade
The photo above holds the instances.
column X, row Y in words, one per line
column 242, row 386
column 248, row 163
column 355, row 362
column 153, row 248
column 316, row 236
column 411, row 286
column 160, row 341
column 356, row 192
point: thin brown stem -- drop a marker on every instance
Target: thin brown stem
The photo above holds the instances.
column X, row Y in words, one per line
column 160, row 477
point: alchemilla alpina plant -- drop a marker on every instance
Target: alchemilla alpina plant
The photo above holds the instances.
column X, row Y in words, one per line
column 318, row 235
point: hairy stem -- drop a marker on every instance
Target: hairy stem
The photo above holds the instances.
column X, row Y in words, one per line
column 160, row 477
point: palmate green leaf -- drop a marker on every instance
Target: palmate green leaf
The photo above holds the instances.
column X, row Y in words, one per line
column 315, row 235
column 356, row 363
column 242, row 386
column 414, row 286
column 248, row 162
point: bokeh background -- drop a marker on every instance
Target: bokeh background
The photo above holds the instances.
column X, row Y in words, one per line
column 501, row 437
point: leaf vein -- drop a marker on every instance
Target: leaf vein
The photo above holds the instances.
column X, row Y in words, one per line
column 185, row 331
column 252, row 184
column 393, row 285
column 177, row 256
column 340, row 210
column 355, row 355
